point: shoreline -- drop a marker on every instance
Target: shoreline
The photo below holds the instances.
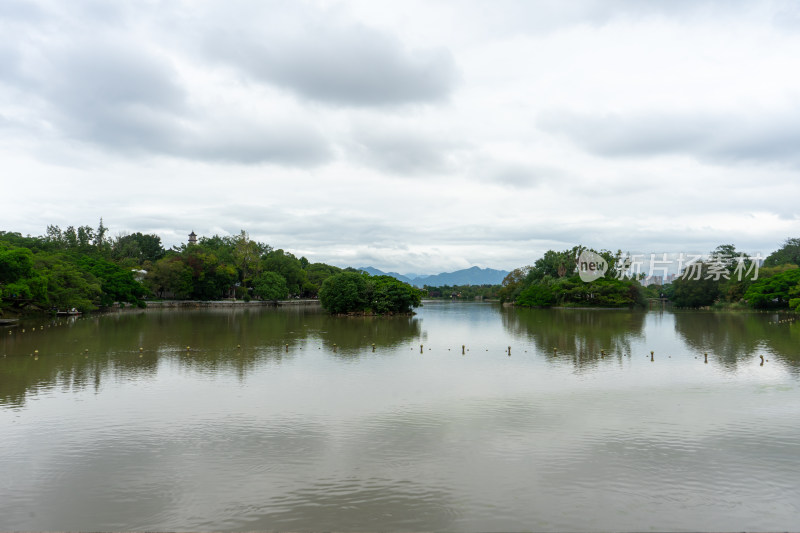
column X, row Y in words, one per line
column 194, row 304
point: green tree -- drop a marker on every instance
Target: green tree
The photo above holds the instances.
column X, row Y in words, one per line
column 775, row 291
column 170, row 275
column 221, row 247
column 349, row 292
column 712, row 281
column 212, row 278
column 690, row 292
column 789, row 253
column 317, row 273
column 15, row 263
column 137, row 247
column 85, row 236
column 536, row 295
column 270, row 286
column 117, row 284
column 100, row 242
column 602, row 292
column 514, row 283
column 462, row 292
column 246, row 255
column 288, row 266
column 70, row 237
column 386, row 294
column 344, row 293
column 55, row 236
column 19, row 281
column 553, row 264
column 794, row 297
column 67, row 286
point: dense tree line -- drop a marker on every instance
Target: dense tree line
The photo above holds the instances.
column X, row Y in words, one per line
column 62, row 270
column 725, row 278
column 554, row 280
column 83, row 268
column 463, row 292
column 728, row 279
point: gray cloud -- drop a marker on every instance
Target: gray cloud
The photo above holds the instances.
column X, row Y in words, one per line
column 114, row 95
column 20, row 10
column 768, row 138
column 790, row 215
column 785, row 15
column 602, row 10
column 316, row 227
column 512, row 17
column 9, row 63
column 241, row 140
column 514, row 174
column 518, row 175
column 402, row 151
column 331, row 60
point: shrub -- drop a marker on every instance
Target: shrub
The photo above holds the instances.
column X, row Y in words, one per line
column 536, row 295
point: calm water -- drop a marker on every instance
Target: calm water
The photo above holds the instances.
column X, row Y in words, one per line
column 329, row 434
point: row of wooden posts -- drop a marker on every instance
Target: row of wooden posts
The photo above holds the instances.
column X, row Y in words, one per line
column 421, row 350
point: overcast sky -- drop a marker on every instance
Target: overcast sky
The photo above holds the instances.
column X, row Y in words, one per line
column 411, row 136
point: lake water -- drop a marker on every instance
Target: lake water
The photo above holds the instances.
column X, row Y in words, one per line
column 241, row 432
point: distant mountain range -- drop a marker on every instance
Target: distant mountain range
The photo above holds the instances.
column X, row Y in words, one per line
column 468, row 276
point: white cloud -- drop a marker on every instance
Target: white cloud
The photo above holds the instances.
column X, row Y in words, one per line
column 770, row 137
column 325, row 55
column 421, row 136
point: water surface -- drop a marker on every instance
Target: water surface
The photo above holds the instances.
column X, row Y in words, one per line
column 240, row 432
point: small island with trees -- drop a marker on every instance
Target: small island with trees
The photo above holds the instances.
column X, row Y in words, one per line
column 352, row 292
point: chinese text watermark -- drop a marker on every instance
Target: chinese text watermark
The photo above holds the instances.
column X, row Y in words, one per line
column 665, row 268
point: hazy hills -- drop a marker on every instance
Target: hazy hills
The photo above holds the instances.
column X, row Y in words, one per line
column 467, row 276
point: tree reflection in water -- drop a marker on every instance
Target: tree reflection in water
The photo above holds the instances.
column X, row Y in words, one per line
column 580, row 334
column 737, row 336
column 206, row 340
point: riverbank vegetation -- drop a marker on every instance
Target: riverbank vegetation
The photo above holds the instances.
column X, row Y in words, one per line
column 727, row 279
column 83, row 268
column 774, row 285
column 463, row 292
column 554, row 280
